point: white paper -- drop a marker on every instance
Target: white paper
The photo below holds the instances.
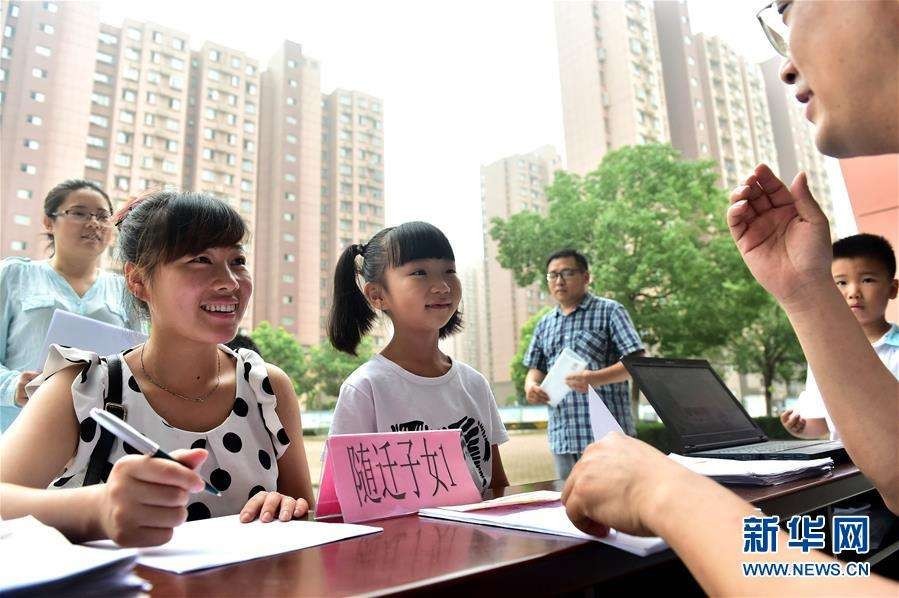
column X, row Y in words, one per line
column 34, row 554
column 758, row 472
column 225, row 540
column 79, row 332
column 554, row 383
column 601, row 419
column 551, row 520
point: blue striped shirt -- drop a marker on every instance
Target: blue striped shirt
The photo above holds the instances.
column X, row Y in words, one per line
column 601, row 331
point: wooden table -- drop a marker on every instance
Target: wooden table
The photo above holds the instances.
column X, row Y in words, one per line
column 420, row 555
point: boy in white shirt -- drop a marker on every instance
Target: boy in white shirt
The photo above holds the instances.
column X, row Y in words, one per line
column 864, row 269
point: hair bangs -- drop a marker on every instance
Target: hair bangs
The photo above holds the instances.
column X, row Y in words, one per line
column 197, row 222
column 412, row 241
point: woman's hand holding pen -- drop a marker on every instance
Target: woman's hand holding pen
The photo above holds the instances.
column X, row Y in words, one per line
column 145, row 498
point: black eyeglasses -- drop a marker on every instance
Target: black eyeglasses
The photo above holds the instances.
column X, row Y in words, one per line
column 772, row 22
column 566, row 274
column 83, row 216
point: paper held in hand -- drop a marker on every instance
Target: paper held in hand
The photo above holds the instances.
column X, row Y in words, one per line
column 554, row 383
column 71, row 330
column 372, row 476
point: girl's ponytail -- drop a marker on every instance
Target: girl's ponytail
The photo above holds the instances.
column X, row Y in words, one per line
column 351, row 316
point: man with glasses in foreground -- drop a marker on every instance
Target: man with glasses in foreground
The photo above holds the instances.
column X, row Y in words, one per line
column 601, row 332
column 843, row 58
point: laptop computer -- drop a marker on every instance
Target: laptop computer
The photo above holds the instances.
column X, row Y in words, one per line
column 704, row 419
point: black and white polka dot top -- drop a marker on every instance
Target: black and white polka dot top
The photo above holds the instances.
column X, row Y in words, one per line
column 243, row 450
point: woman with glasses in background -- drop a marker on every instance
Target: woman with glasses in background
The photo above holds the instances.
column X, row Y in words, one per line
column 77, row 220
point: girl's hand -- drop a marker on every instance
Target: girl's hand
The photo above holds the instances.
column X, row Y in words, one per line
column 145, row 498
column 269, row 505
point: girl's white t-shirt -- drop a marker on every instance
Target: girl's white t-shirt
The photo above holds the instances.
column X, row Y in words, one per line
column 380, row 396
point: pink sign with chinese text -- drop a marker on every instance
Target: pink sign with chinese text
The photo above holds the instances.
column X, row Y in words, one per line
column 373, row 476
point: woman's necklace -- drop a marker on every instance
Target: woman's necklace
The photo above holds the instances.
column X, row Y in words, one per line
column 218, row 369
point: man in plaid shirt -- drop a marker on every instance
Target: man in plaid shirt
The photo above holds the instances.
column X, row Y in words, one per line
column 599, row 330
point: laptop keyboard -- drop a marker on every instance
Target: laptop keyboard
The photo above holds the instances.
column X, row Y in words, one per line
column 772, row 446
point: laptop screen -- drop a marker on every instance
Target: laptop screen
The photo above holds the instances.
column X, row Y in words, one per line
column 690, row 398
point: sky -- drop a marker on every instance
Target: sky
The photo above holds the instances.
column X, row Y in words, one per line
column 463, row 83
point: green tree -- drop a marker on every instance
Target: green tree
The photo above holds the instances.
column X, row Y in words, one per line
column 652, row 226
column 768, row 345
column 327, row 368
column 280, row 348
column 517, row 369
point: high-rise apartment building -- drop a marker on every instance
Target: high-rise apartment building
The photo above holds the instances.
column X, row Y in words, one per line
column 43, row 110
column 471, row 344
column 795, row 139
column 352, row 206
column 717, row 104
column 736, row 111
column 510, row 185
column 611, row 77
column 288, row 217
column 139, row 108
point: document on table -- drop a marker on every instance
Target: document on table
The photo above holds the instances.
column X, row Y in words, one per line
column 79, row 332
column 554, row 383
column 225, row 540
column 544, row 518
column 38, row 558
column 760, row 472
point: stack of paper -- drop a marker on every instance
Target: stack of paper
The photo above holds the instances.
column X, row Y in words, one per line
column 225, row 540
column 539, row 512
column 553, row 384
column 762, row 472
column 37, row 559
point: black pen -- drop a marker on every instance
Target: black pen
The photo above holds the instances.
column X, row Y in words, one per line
column 141, row 443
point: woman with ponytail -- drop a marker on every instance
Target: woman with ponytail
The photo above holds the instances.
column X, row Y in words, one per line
column 408, row 272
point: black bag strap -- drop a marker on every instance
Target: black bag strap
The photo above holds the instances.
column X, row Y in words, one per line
column 98, row 467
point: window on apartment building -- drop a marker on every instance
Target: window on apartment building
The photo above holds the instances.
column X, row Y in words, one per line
column 250, row 70
column 291, row 63
column 289, row 196
column 228, row 179
column 42, row 50
column 251, row 89
column 176, row 82
column 249, row 127
column 100, row 121
column 208, row 154
column 123, row 160
column 149, row 141
column 177, row 43
column 171, row 124
column 107, row 38
column 235, row 81
column 133, row 33
column 290, row 157
column 289, row 257
column 24, row 194
column 208, row 134
column 5, row 52
column 247, row 165
column 122, row 183
column 214, row 55
column 132, row 53
column 153, row 76
column 208, row 176
column 209, row 113
column 249, row 146
column 289, row 237
column 290, row 120
column 291, row 101
column 28, row 168
column 232, row 139
column 176, row 63
column 21, row 219
column 246, row 185
column 39, row 73
column 96, row 141
column 151, row 98
column 290, row 177
column 345, row 170
column 93, row 163
column 231, row 119
column 250, row 108
column 13, row 11
column 148, row 162
column 157, row 37
column 31, row 144
column 132, row 74
column 129, row 95
column 169, row 167
column 18, row 245
column 174, row 103
column 51, row 7
column 126, row 116
column 293, row 83
column 289, row 216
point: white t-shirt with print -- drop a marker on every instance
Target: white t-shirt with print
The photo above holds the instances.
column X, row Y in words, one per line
column 380, row 396
column 811, row 405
